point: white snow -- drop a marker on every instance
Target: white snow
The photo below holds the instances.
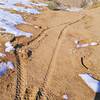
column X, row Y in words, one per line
column 82, row 45
column 93, row 43
column 9, row 47
column 2, row 55
column 5, row 66
column 11, row 4
column 9, row 20
column 86, row 45
column 20, row 9
column 91, row 82
column 74, row 9
column 10, row 65
column 24, row 2
column 40, row 4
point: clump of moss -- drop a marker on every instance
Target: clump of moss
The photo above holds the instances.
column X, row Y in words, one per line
column 13, row 11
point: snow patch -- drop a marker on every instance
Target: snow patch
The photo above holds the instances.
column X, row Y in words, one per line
column 10, row 65
column 9, row 47
column 5, row 66
column 40, row 4
column 8, row 22
column 20, row 9
column 74, row 9
column 10, row 4
column 24, row 2
column 91, row 82
column 2, row 55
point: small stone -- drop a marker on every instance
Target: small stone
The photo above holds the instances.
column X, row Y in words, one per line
column 36, row 27
column 76, row 41
column 65, row 97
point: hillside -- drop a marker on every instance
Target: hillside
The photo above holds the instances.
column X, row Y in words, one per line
column 50, row 53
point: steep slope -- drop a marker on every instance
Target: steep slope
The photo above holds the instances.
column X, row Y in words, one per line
column 56, row 70
column 54, row 64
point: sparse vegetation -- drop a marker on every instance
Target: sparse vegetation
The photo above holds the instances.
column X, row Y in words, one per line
column 96, row 5
column 53, row 5
column 63, row 45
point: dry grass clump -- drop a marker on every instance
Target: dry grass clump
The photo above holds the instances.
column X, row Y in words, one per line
column 53, row 4
column 96, row 5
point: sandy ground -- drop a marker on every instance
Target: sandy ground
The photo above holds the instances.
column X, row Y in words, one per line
column 55, row 62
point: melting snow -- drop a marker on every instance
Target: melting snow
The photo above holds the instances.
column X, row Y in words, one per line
column 20, row 9
column 5, row 66
column 9, row 47
column 40, row 4
column 10, row 65
column 8, row 20
column 10, row 4
column 74, row 9
column 24, row 2
column 91, row 82
column 2, row 55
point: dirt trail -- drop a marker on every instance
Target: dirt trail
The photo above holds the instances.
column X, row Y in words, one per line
column 61, row 36
column 55, row 61
column 59, row 73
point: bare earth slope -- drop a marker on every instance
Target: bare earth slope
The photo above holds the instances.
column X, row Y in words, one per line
column 55, row 63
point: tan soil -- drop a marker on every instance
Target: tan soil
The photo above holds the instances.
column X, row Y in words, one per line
column 56, row 62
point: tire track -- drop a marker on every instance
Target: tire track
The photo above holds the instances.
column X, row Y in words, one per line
column 21, row 65
column 21, row 81
column 51, row 65
column 18, row 86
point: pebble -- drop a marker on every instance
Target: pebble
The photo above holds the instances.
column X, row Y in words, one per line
column 65, row 97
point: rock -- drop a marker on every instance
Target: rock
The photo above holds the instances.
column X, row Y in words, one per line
column 65, row 97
